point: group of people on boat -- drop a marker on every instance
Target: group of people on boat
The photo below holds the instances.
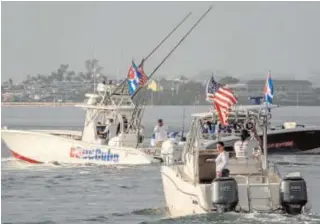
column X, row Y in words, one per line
column 104, row 87
column 242, row 150
column 209, row 128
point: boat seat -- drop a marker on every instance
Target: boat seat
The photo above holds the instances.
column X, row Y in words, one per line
column 207, row 167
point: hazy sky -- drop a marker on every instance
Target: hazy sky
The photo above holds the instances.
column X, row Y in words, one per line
column 236, row 37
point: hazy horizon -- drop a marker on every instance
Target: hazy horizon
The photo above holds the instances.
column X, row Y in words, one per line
column 236, row 38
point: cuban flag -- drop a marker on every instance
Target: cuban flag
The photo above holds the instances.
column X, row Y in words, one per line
column 136, row 78
column 268, row 90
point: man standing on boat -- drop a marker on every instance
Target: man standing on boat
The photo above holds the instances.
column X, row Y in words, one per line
column 109, row 129
column 160, row 133
column 222, row 161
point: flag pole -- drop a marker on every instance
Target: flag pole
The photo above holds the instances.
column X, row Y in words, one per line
column 177, row 45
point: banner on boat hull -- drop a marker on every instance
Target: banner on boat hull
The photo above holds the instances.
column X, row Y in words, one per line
column 93, row 154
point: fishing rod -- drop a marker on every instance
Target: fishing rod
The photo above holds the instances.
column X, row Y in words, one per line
column 177, row 45
column 149, row 55
column 141, row 100
column 184, row 19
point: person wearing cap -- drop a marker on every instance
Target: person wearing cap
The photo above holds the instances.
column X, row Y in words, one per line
column 160, row 133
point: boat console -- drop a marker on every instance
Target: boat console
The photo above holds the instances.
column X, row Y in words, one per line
column 207, row 166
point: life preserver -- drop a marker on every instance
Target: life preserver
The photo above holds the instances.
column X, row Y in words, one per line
column 249, row 125
column 237, row 126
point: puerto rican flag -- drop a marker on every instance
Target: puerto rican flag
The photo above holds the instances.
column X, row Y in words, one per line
column 268, row 89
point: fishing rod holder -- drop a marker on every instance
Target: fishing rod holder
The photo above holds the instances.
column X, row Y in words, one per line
column 240, row 119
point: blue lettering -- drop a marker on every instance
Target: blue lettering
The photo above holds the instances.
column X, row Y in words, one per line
column 91, row 154
column 98, row 154
column 116, row 158
column 84, row 154
column 103, row 156
column 108, row 155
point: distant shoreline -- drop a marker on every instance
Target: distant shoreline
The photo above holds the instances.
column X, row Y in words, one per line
column 38, row 104
column 69, row 104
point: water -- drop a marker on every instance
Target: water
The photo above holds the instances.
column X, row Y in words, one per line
column 96, row 194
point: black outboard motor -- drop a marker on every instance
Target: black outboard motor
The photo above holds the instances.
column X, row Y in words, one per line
column 293, row 194
column 225, row 196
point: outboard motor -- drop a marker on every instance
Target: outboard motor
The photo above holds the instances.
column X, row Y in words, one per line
column 225, row 196
column 169, row 153
column 293, row 194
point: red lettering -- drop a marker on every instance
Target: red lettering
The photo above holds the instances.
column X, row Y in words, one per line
column 72, row 152
column 280, row 144
column 75, row 152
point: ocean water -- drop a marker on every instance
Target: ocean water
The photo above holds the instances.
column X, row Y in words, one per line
column 96, row 194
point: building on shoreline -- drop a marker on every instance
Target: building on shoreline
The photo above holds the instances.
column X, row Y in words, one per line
column 188, row 92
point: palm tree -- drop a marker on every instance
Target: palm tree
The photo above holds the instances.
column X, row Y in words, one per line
column 10, row 83
column 70, row 75
column 93, row 67
column 59, row 75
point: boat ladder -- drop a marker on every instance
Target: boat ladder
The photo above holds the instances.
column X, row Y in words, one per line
column 254, row 193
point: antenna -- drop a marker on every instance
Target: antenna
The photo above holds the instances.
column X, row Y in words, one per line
column 94, row 68
column 183, row 121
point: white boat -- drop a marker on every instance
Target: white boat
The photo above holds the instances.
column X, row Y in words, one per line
column 112, row 102
column 191, row 187
column 121, row 146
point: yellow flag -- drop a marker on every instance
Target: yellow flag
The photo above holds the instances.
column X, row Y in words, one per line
column 153, row 86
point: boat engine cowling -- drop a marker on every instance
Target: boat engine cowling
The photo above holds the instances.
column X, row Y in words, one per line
column 169, row 153
column 293, row 194
column 225, row 194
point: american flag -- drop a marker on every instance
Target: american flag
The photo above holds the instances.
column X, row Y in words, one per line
column 222, row 97
column 144, row 77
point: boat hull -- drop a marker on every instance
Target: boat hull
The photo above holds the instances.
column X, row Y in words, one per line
column 39, row 147
column 181, row 198
column 293, row 141
column 184, row 197
column 282, row 141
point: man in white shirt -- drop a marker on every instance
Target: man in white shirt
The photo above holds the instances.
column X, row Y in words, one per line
column 109, row 129
column 222, row 161
column 160, row 133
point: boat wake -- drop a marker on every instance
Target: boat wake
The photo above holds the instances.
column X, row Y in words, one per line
column 11, row 163
column 143, row 212
column 249, row 218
